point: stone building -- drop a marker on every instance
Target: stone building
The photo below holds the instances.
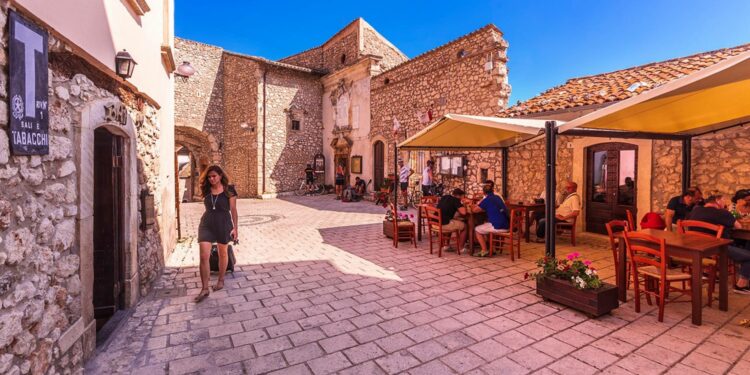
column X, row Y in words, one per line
column 265, row 120
column 84, row 228
column 653, row 166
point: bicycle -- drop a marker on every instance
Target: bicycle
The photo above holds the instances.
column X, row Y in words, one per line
column 304, row 189
column 415, row 196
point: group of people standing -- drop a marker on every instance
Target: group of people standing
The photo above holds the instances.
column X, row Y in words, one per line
column 717, row 209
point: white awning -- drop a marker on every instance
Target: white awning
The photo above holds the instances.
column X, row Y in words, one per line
column 465, row 132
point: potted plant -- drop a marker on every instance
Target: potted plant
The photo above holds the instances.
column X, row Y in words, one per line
column 388, row 222
column 574, row 283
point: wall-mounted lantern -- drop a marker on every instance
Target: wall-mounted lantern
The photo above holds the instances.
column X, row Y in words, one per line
column 185, row 69
column 124, row 64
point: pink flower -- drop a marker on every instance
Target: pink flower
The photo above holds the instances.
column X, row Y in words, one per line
column 571, row 256
column 587, row 262
column 411, row 215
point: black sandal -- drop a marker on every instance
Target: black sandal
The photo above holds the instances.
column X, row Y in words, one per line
column 202, row 295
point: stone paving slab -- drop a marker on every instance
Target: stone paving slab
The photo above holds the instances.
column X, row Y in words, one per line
column 319, row 290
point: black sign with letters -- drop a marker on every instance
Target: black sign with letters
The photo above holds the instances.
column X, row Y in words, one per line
column 29, row 121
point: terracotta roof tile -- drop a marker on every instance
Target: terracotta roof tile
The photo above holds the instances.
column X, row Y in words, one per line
column 618, row 85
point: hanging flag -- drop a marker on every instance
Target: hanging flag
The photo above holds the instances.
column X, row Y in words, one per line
column 396, row 125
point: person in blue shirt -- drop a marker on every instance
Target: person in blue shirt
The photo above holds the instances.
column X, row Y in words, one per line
column 497, row 216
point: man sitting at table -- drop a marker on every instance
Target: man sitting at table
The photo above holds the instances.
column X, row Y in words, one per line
column 714, row 211
column 679, row 207
column 449, row 205
column 497, row 216
column 567, row 210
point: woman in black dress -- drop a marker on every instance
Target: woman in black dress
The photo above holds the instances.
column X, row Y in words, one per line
column 220, row 200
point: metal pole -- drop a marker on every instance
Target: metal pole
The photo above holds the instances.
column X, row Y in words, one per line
column 504, row 155
column 550, row 132
column 687, row 145
column 395, row 177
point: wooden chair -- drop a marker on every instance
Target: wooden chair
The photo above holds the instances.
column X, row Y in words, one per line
column 631, row 221
column 649, row 265
column 709, row 264
column 615, row 230
column 405, row 229
column 435, row 228
column 430, row 200
column 512, row 238
column 569, row 226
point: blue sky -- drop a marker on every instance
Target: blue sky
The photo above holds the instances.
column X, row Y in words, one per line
column 550, row 41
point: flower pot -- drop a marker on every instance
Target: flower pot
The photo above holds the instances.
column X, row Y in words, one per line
column 592, row 302
column 388, row 231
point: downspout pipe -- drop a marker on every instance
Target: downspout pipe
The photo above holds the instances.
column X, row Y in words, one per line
column 265, row 73
column 687, row 148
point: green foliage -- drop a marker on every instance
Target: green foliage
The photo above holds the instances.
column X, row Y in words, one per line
column 579, row 272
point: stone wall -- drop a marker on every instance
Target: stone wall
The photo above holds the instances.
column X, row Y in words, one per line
column 526, row 168
column 666, row 173
column 374, row 44
column 291, row 96
column 453, row 78
column 720, row 161
column 340, row 51
column 242, row 97
column 46, row 311
column 199, row 98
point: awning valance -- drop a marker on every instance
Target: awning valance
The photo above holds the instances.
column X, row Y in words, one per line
column 465, row 132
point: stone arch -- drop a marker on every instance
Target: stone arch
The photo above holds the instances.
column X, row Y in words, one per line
column 203, row 150
column 93, row 117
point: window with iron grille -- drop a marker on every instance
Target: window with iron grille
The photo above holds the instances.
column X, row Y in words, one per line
column 295, row 124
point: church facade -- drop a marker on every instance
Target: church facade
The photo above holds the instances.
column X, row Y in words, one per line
column 265, row 120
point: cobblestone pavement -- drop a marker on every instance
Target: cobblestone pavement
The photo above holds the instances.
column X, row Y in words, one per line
column 320, row 290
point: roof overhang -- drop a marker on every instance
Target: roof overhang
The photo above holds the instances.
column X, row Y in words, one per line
column 710, row 99
column 466, row 132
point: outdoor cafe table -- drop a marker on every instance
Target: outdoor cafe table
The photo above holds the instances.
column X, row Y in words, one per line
column 528, row 209
column 694, row 247
column 472, row 220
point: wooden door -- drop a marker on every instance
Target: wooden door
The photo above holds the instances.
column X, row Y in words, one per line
column 108, row 200
column 611, row 175
column 379, row 164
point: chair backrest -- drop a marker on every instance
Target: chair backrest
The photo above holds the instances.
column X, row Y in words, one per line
column 646, row 250
column 615, row 227
column 430, row 199
column 434, row 218
column 631, row 221
column 689, row 227
column 516, row 219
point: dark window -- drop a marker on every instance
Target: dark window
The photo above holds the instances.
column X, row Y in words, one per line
column 462, row 53
column 483, row 174
column 387, row 81
column 343, row 58
column 295, row 124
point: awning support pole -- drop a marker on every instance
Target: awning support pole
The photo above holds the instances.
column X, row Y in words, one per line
column 395, row 178
column 550, row 132
column 687, row 146
column 504, row 155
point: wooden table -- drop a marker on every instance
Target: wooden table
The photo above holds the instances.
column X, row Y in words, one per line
column 472, row 220
column 528, row 209
column 693, row 247
column 744, row 233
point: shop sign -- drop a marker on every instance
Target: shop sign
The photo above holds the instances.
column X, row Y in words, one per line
column 29, row 115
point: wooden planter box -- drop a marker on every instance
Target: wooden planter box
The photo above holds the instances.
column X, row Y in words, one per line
column 593, row 302
column 388, row 231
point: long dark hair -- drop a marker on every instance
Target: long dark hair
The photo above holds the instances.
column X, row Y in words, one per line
column 206, row 185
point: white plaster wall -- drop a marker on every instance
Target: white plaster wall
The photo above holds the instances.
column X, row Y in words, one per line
column 104, row 27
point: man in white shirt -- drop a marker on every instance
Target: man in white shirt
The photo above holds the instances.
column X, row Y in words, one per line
column 567, row 210
column 427, row 179
column 403, row 178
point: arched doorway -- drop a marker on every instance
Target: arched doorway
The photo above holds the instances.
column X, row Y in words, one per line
column 109, row 221
column 611, row 188
column 378, row 153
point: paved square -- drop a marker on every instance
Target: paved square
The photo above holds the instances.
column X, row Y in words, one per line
column 319, row 289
